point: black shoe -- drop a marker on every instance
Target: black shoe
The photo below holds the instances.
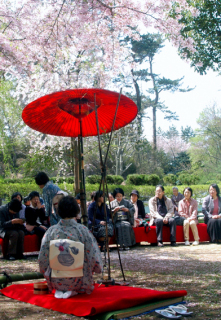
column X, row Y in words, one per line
column 21, row 257
column 160, row 244
column 11, row 257
column 173, row 244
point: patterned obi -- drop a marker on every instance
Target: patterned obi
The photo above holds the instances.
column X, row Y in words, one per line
column 66, row 258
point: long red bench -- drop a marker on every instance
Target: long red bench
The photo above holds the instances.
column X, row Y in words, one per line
column 151, row 237
column 32, row 243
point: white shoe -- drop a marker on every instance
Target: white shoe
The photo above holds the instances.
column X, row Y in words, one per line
column 187, row 243
column 195, row 243
column 58, row 294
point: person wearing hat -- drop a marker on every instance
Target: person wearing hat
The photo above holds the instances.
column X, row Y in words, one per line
column 139, row 207
column 123, row 216
column 69, row 254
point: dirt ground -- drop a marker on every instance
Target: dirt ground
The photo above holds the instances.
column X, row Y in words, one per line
column 195, row 269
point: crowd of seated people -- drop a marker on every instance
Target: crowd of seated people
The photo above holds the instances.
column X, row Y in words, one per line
column 118, row 215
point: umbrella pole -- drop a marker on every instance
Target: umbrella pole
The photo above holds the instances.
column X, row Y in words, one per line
column 82, row 178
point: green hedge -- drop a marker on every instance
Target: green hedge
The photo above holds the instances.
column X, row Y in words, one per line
column 143, row 179
column 111, row 179
column 7, row 189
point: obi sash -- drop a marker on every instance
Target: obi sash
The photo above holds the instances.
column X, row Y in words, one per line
column 66, row 258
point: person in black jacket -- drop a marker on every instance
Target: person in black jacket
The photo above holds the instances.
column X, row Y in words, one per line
column 35, row 215
column 12, row 228
column 138, row 205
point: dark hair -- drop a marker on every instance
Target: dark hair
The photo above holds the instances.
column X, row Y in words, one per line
column 15, row 205
column 68, row 207
column 93, row 194
column 15, row 194
column 160, row 186
column 41, row 178
column 189, row 189
column 78, row 196
column 214, row 186
column 26, row 199
column 98, row 195
column 33, row 194
column 118, row 190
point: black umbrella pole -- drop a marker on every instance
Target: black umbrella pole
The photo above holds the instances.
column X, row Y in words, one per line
column 5, row 279
column 82, row 180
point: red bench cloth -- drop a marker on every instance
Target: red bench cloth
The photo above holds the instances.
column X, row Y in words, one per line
column 102, row 299
column 32, row 243
column 151, row 236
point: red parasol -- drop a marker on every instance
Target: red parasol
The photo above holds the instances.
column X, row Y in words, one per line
column 60, row 113
column 72, row 113
column 80, row 113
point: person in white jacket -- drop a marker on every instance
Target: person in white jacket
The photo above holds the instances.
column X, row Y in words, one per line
column 161, row 214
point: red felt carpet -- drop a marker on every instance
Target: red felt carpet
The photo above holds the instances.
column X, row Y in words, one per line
column 102, row 299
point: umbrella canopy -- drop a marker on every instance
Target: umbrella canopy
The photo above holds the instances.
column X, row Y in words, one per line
column 60, row 113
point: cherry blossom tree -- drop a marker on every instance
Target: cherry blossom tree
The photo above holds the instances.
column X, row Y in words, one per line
column 45, row 36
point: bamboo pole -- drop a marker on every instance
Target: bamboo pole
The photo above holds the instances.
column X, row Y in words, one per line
column 8, row 278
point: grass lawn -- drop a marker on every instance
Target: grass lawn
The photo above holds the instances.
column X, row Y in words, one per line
column 195, row 269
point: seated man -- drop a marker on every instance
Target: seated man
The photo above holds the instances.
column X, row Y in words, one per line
column 69, row 253
column 161, row 212
column 11, row 227
column 176, row 197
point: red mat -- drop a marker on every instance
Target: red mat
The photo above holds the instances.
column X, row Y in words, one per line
column 102, row 299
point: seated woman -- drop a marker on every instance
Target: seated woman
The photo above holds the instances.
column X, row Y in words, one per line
column 211, row 209
column 139, row 207
column 35, row 216
column 98, row 220
column 123, row 216
column 188, row 211
column 69, row 249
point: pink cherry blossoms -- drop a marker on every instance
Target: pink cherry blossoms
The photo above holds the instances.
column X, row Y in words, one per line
column 58, row 44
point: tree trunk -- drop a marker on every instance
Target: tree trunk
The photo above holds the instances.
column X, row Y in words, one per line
column 154, row 107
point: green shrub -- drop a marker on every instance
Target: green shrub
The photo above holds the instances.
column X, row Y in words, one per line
column 117, row 179
column 189, row 179
column 170, row 179
column 93, row 179
column 137, row 179
column 153, row 179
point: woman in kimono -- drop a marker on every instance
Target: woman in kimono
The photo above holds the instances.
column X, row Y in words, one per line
column 69, row 254
column 123, row 216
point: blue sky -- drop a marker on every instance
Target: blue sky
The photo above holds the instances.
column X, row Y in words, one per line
column 187, row 105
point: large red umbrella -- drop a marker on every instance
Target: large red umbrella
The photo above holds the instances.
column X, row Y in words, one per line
column 80, row 113
column 60, row 113
column 72, row 113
